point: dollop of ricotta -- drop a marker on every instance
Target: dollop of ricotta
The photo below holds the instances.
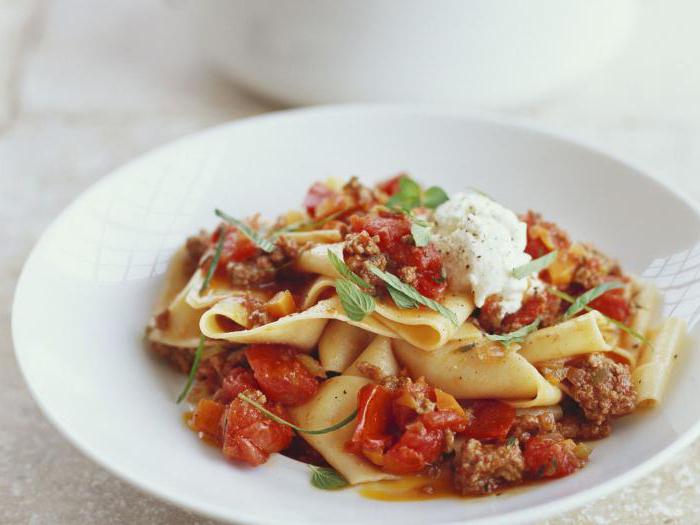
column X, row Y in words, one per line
column 481, row 242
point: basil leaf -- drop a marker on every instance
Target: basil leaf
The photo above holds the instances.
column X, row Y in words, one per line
column 401, row 300
column 260, row 241
column 434, row 196
column 356, row 303
column 277, row 419
column 516, row 336
column 327, row 478
column 420, row 230
column 621, row 326
column 585, row 298
column 193, row 370
column 408, row 195
column 343, row 270
column 214, row 262
column 410, row 292
column 535, row 266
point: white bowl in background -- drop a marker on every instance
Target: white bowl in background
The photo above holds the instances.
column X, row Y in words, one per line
column 467, row 52
column 86, row 292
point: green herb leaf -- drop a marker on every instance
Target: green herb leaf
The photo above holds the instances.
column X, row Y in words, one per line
column 516, row 336
column 276, row 418
column 307, row 225
column 401, row 300
column 511, row 441
column 420, row 230
column 410, row 292
column 327, row 478
column 585, row 298
column 193, row 370
column 535, row 266
column 214, row 262
column 621, row 326
column 260, row 241
column 408, row 195
column 434, row 196
column 356, row 303
column 343, row 270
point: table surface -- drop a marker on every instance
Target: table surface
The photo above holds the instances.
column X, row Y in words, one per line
column 70, row 112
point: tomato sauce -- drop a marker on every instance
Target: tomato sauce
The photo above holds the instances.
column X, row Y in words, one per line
column 392, row 231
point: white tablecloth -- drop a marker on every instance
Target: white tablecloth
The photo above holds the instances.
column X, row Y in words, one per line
column 85, row 87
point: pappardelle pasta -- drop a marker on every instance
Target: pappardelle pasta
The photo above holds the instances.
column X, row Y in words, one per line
column 395, row 332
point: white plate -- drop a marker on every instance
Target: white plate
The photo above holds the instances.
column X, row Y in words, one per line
column 87, row 289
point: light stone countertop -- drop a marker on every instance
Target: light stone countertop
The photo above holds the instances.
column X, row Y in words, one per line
column 79, row 98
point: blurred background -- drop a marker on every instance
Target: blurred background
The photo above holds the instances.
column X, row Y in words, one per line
column 86, row 86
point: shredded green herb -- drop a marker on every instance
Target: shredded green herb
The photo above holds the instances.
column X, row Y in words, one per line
column 535, row 266
column 516, row 336
column 566, row 297
column 276, row 418
column 410, row 297
column 582, row 300
column 346, row 272
column 214, row 262
column 193, row 370
column 260, row 241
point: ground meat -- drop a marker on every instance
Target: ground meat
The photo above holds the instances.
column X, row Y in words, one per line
column 179, row 358
column 361, row 196
column 528, row 425
column 580, row 428
column 162, row 319
column 257, row 314
column 601, row 387
column 196, row 247
column 541, row 304
column 253, row 272
column 482, row 468
column 262, row 268
column 593, row 267
column 408, row 274
column 212, row 371
column 362, row 251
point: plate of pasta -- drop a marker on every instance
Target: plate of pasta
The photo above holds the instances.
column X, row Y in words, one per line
column 369, row 314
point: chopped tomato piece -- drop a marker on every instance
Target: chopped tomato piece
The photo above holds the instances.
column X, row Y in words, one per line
column 250, row 436
column 551, row 456
column 445, row 420
column 371, row 437
column 390, row 186
column 417, row 448
column 207, row 418
column 237, row 247
column 613, row 304
column 543, row 236
column 280, row 375
column 491, row 420
column 393, row 231
column 317, row 193
column 236, row 381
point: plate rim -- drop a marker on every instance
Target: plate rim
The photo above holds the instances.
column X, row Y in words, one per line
column 540, row 511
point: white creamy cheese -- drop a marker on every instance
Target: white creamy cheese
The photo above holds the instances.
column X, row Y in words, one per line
column 481, row 242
